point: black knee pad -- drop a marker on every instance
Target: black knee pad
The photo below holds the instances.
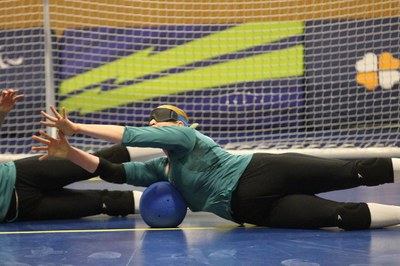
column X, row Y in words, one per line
column 118, row 203
column 114, row 154
column 353, row 216
column 375, row 171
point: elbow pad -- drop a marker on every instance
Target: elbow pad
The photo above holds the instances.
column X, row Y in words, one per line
column 111, row 172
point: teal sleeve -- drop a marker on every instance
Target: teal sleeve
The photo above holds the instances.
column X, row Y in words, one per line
column 143, row 174
column 172, row 138
column 7, row 181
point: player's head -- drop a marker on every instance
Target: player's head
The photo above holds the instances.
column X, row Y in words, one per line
column 168, row 114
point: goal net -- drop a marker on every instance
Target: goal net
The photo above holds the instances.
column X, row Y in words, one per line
column 309, row 76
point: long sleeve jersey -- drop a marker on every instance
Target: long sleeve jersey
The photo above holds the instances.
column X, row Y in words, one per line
column 204, row 173
column 7, row 182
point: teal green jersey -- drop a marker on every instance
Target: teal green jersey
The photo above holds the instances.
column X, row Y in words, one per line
column 204, row 173
column 7, row 183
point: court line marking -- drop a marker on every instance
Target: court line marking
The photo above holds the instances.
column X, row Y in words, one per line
column 125, row 230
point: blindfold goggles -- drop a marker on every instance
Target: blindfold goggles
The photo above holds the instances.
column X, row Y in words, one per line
column 166, row 115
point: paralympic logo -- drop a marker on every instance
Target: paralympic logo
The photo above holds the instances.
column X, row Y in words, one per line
column 6, row 62
column 378, row 70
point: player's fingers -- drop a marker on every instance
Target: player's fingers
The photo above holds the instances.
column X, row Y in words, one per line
column 53, row 109
column 19, row 97
column 47, row 124
column 12, row 92
column 61, row 134
column 40, row 148
column 41, row 140
column 48, row 116
column 64, row 114
column 44, row 157
column 44, row 134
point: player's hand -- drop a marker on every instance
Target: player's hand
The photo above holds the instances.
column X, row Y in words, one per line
column 53, row 147
column 8, row 99
column 61, row 122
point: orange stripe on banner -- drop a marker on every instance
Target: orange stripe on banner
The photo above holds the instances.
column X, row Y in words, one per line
column 123, row 13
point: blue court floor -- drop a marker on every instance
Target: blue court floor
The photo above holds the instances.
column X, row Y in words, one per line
column 202, row 239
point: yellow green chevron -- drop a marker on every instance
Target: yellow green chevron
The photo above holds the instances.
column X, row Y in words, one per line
column 143, row 63
column 278, row 64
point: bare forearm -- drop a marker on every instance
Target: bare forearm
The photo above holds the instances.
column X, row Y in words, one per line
column 85, row 160
column 61, row 122
column 106, row 132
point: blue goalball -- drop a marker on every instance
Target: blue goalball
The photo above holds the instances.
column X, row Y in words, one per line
column 162, row 205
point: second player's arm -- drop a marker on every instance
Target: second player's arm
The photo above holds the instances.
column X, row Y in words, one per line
column 105, row 132
column 110, row 133
column 61, row 148
column 85, row 160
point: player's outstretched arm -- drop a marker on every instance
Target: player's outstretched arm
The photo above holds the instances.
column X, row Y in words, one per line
column 61, row 148
column 8, row 99
column 61, row 122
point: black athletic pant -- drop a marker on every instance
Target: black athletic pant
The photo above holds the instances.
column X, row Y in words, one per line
column 41, row 193
column 278, row 190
